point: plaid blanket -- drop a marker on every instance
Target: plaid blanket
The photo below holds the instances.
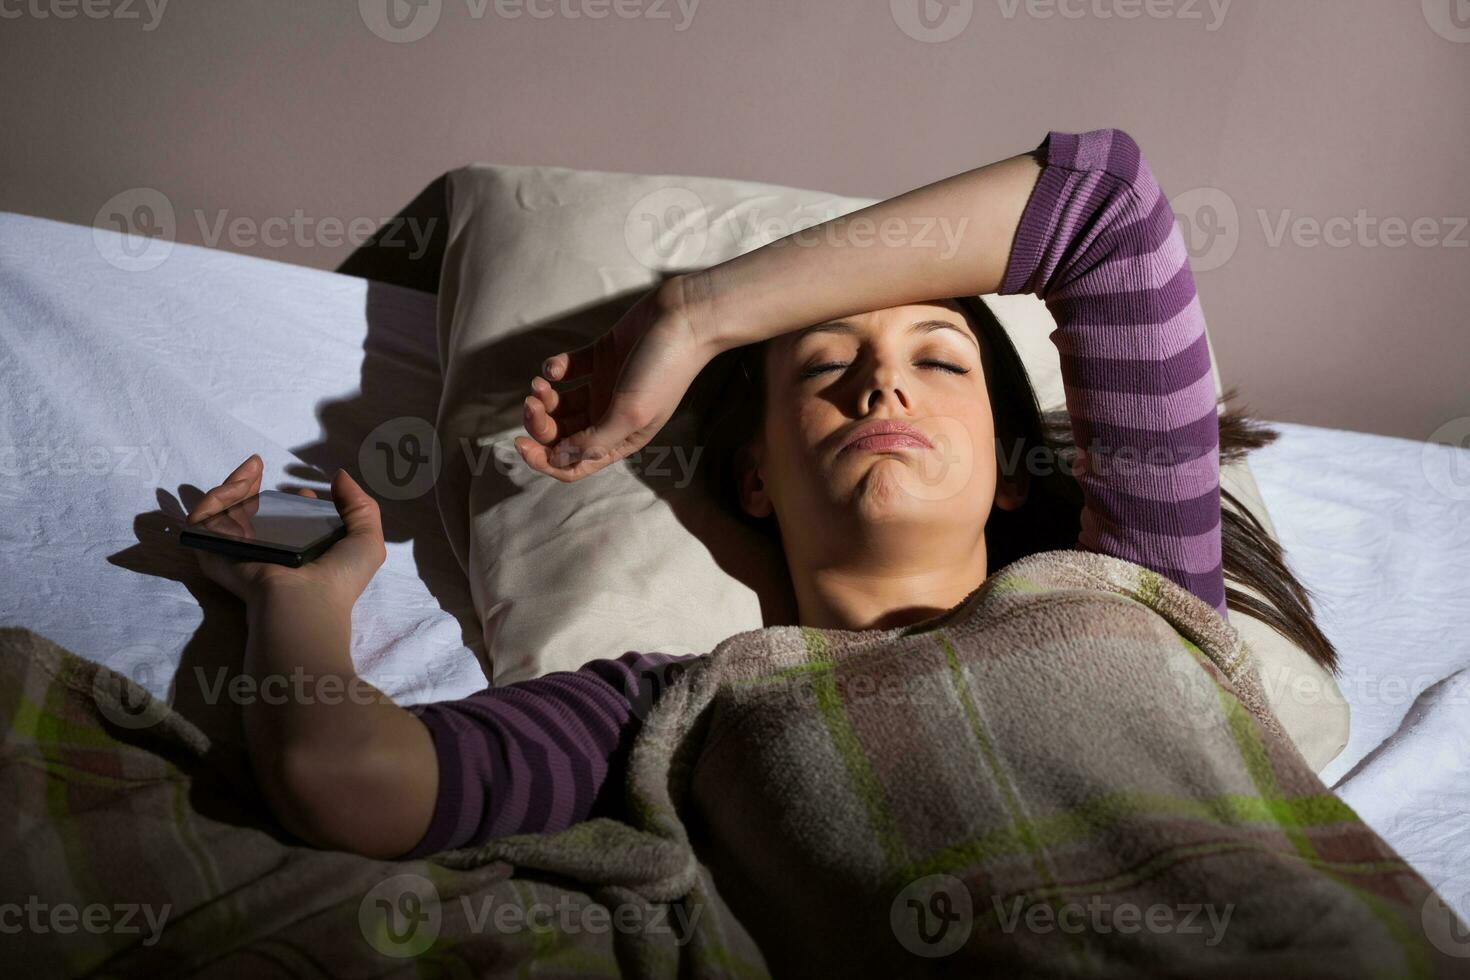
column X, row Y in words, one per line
column 1073, row 773
column 134, row 846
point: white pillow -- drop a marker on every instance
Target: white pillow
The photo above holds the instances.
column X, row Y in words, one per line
column 543, row 259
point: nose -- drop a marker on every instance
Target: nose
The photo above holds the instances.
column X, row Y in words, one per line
column 883, row 382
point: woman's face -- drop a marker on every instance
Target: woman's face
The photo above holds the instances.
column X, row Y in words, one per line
column 917, row 369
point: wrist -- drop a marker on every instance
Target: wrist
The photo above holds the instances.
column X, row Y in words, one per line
column 695, row 297
column 293, row 587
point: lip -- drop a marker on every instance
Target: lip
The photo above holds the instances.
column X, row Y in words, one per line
column 884, row 434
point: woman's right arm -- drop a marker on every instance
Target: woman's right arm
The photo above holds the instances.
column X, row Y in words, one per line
column 344, row 767
column 540, row 755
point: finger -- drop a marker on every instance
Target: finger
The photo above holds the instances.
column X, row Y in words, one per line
column 532, row 452
column 307, row 492
column 566, row 461
column 243, row 482
column 359, row 511
column 538, row 424
column 539, row 458
column 253, row 465
column 547, row 429
column 549, row 396
column 616, row 435
column 561, row 405
column 569, row 365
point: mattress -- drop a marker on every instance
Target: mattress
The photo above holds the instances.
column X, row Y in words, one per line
column 130, row 387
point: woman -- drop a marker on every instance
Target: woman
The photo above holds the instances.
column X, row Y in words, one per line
column 864, row 440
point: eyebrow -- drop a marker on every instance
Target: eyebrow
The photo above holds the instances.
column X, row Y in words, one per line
column 918, row 326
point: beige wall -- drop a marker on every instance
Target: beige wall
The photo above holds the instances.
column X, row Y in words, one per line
column 1282, row 111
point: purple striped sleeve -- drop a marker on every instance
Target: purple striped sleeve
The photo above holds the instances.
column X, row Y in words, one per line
column 540, row 755
column 1099, row 244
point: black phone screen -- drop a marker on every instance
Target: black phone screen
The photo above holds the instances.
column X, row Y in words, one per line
column 274, row 519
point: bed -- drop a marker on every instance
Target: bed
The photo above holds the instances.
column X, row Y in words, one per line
column 128, row 389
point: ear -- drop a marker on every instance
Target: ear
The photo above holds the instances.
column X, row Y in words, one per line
column 753, row 496
column 1010, row 491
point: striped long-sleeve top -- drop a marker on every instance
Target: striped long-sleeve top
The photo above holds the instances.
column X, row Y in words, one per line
column 1098, row 243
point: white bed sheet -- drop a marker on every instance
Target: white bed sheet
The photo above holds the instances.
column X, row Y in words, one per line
column 172, row 375
column 1379, row 529
column 122, row 387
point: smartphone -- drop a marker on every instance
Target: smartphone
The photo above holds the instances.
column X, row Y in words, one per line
column 273, row 526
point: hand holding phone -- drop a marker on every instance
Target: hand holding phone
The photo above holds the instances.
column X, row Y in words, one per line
column 281, row 528
column 249, row 539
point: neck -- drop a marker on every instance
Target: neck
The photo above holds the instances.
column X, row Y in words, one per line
column 866, row 590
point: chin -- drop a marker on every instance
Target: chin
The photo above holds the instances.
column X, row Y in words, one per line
column 884, row 494
column 896, row 489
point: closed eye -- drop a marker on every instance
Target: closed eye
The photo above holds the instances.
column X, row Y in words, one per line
column 944, row 366
column 930, row 362
column 817, row 369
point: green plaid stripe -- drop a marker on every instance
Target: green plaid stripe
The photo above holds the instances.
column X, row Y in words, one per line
column 862, row 779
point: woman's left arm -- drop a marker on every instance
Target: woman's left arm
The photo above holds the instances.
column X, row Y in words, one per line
column 1082, row 224
column 949, row 238
column 339, row 764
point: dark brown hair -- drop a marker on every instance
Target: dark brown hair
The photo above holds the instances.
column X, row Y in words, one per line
column 730, row 402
